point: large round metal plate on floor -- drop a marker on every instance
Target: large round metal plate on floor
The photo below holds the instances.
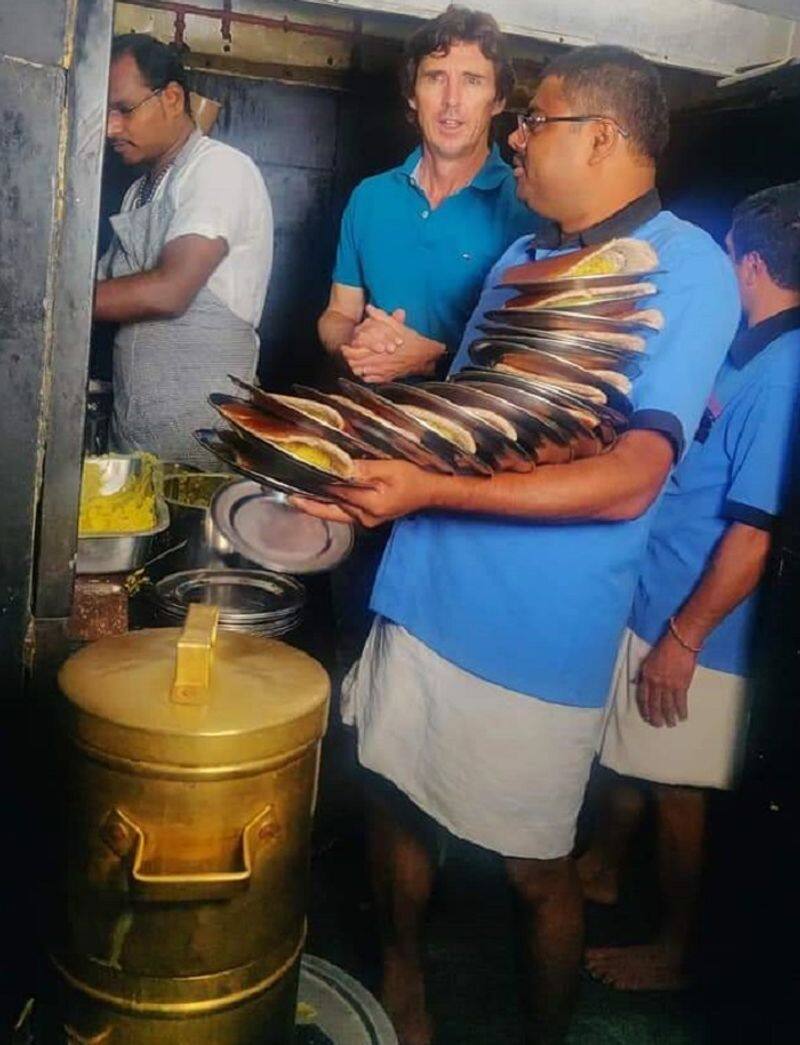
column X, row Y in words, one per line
column 337, row 1007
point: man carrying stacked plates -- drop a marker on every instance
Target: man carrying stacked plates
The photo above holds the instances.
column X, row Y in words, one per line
column 501, row 601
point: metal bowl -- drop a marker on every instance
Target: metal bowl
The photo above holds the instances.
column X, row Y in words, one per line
column 120, row 552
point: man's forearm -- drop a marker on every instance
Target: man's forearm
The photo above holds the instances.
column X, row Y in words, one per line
column 335, row 329
column 615, row 486
column 145, row 295
column 734, row 572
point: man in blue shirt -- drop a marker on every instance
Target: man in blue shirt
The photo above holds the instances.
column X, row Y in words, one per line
column 417, row 241
column 502, row 601
column 680, row 706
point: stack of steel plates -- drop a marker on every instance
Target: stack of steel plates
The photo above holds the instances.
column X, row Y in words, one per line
column 249, row 600
column 307, row 443
column 567, row 345
column 549, row 382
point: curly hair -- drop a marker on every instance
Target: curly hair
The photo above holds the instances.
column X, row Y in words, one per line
column 458, row 25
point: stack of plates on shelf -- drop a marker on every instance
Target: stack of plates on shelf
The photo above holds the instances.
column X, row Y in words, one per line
column 255, row 601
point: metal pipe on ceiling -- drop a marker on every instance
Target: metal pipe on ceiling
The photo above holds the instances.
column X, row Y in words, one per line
column 226, row 16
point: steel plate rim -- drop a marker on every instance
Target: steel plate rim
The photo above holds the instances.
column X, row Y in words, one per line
column 222, row 512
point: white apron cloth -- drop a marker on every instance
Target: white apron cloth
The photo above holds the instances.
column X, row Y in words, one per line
column 705, row 750
column 501, row 769
column 164, row 370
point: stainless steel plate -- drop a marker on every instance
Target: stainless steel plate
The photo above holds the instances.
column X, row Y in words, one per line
column 590, row 356
column 618, row 279
column 274, row 406
column 556, row 394
column 488, row 442
column 525, row 396
column 492, row 446
column 246, row 595
column 432, row 441
column 382, row 434
column 531, row 431
column 241, row 457
column 263, row 527
column 609, row 306
column 280, row 461
column 555, row 319
column 632, row 343
column 541, row 365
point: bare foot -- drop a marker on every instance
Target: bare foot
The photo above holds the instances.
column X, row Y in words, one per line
column 599, row 882
column 403, row 996
column 649, row 967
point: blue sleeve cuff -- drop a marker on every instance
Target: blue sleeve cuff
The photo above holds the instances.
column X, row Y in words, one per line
column 661, row 421
column 750, row 516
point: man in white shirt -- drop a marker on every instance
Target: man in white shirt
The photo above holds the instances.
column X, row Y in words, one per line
column 186, row 273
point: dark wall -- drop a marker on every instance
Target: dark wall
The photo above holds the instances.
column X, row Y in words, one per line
column 717, row 157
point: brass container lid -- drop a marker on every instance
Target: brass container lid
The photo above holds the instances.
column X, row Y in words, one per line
column 194, row 698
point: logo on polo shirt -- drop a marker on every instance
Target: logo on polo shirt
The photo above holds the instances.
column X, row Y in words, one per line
column 710, row 414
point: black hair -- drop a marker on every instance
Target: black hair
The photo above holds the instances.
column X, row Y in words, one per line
column 768, row 224
column 458, row 25
column 616, row 82
column 159, row 63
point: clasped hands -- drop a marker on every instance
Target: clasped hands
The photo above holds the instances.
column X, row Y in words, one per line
column 383, row 348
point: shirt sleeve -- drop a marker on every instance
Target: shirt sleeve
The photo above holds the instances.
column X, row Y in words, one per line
column 347, row 268
column 104, row 264
column 214, row 199
column 762, row 440
column 700, row 306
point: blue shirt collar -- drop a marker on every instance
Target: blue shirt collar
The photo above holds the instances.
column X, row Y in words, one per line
column 489, row 177
column 755, row 339
column 622, row 223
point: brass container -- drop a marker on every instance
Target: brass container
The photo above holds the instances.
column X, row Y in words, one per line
column 193, row 771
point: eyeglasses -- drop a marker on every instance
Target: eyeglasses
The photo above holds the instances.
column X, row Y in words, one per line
column 533, row 122
column 127, row 110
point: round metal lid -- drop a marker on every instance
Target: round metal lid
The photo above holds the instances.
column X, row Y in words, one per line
column 262, row 699
column 263, row 527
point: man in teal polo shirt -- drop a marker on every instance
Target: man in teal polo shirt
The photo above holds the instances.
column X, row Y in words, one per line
column 480, row 694
column 417, row 241
column 681, row 693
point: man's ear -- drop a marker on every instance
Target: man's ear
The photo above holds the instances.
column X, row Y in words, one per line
column 604, row 138
column 412, row 104
column 499, row 106
column 753, row 267
column 174, row 97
